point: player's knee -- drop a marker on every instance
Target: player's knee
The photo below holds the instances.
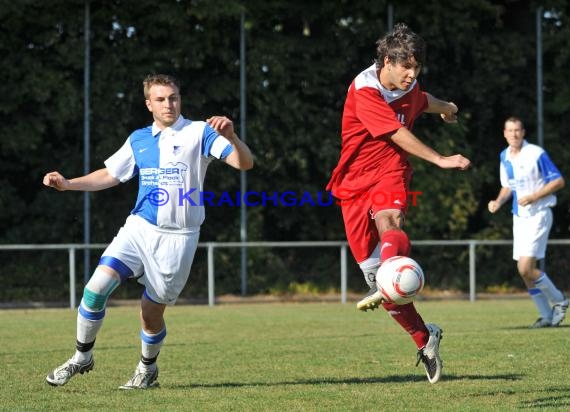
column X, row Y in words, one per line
column 98, row 290
column 388, row 220
column 526, row 268
column 152, row 319
column 94, row 301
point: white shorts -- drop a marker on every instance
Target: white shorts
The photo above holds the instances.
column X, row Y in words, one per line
column 530, row 234
column 160, row 260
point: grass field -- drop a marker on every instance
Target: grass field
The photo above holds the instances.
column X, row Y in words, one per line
column 293, row 357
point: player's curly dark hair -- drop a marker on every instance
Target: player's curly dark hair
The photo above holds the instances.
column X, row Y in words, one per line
column 400, row 45
column 159, row 79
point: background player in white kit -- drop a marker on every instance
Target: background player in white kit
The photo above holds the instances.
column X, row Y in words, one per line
column 159, row 238
column 531, row 178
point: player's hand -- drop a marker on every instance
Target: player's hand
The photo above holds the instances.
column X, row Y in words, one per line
column 526, row 200
column 223, row 126
column 493, row 206
column 56, row 180
column 450, row 116
column 454, row 162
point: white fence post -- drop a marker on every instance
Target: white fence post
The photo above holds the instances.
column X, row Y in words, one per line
column 343, row 274
column 211, row 298
column 72, row 278
column 472, row 269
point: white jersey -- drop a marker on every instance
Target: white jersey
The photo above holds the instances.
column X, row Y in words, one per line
column 526, row 173
column 171, row 165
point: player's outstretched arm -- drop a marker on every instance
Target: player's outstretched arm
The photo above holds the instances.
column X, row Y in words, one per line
column 414, row 146
column 456, row 161
column 447, row 110
column 240, row 158
column 97, row 180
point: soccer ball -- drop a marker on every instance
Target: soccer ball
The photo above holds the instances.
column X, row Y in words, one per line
column 400, row 279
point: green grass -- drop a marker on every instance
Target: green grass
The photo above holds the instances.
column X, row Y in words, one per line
column 293, row 357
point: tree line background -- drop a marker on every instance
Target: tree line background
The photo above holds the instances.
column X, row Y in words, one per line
column 301, row 57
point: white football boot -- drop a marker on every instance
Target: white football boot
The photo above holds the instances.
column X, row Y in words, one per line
column 142, row 379
column 429, row 354
column 62, row 374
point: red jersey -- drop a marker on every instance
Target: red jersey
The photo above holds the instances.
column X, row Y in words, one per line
column 371, row 114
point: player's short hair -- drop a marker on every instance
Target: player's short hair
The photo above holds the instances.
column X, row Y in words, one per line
column 160, row 80
column 515, row 119
column 400, row 45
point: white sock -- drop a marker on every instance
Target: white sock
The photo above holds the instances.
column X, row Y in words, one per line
column 548, row 289
column 541, row 302
column 370, row 267
column 87, row 329
column 82, row 357
column 150, row 347
column 147, row 368
column 369, row 273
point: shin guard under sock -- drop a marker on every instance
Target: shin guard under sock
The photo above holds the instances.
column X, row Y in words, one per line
column 394, row 242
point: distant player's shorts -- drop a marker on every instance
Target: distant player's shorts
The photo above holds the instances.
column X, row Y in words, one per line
column 360, row 209
column 160, row 260
column 530, row 234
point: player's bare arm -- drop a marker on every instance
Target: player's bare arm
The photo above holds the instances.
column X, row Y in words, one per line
column 447, row 110
column 546, row 190
column 455, row 161
column 240, row 158
column 97, row 180
column 414, row 146
column 502, row 198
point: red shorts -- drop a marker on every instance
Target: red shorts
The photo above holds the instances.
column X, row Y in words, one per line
column 359, row 210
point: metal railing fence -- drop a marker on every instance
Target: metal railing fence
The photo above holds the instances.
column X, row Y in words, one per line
column 211, row 246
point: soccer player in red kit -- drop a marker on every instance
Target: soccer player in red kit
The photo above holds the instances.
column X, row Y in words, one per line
column 373, row 175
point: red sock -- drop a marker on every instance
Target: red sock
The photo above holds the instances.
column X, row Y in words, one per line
column 394, row 242
column 408, row 318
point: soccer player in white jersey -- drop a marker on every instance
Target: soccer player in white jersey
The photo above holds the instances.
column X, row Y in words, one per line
column 159, row 238
column 529, row 176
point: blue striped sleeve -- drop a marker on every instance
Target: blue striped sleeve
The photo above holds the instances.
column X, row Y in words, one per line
column 214, row 144
column 547, row 168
